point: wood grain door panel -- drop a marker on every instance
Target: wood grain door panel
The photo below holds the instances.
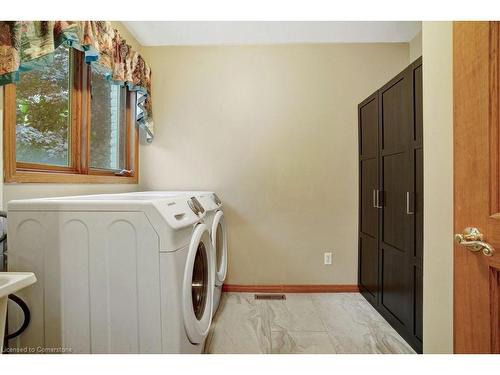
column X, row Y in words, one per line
column 418, row 302
column 396, row 129
column 476, row 135
column 369, row 183
column 418, row 161
column 368, row 266
column 396, row 294
column 368, row 128
column 417, row 104
column 394, row 219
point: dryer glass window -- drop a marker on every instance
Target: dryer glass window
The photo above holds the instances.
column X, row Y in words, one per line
column 219, row 246
column 199, row 285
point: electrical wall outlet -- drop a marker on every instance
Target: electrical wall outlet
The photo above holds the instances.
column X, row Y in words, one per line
column 328, row 258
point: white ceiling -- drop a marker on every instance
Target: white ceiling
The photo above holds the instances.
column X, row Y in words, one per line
column 154, row 33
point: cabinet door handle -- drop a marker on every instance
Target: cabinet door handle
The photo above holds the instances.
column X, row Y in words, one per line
column 376, row 198
column 409, row 210
column 379, row 203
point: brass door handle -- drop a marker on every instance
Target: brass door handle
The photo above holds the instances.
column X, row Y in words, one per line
column 472, row 239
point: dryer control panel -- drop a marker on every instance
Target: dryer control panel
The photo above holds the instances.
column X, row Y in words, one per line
column 180, row 211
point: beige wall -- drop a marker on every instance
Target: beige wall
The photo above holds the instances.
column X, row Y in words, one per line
column 273, row 130
column 21, row 191
column 416, row 47
column 438, row 186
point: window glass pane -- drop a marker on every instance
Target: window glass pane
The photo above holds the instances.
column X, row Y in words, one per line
column 43, row 113
column 108, row 124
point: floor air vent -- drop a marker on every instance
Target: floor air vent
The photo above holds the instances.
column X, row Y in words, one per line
column 270, row 296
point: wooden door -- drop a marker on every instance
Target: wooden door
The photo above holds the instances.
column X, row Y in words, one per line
column 476, row 86
column 369, row 187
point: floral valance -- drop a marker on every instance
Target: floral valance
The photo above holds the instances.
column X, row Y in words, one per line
column 27, row 45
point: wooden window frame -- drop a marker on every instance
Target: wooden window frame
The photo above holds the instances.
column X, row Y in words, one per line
column 79, row 170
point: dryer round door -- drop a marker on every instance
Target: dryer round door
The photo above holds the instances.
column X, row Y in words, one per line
column 219, row 244
column 198, row 286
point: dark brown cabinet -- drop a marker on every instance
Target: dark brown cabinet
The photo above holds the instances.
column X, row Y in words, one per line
column 391, row 202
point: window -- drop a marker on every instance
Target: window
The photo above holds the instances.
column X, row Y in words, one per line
column 43, row 124
column 67, row 123
column 107, row 141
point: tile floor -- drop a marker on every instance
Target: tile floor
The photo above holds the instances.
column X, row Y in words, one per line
column 303, row 323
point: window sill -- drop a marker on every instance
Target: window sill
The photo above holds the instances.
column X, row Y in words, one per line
column 67, row 178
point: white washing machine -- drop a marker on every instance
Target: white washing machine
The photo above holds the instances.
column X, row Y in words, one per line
column 117, row 274
column 214, row 219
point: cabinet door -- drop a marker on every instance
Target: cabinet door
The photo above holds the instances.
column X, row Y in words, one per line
column 396, row 218
column 369, row 185
column 418, row 188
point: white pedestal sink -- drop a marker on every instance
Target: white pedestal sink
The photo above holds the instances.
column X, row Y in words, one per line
column 11, row 282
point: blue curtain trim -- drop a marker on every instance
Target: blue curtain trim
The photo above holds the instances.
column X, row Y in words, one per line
column 9, row 78
column 37, row 64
